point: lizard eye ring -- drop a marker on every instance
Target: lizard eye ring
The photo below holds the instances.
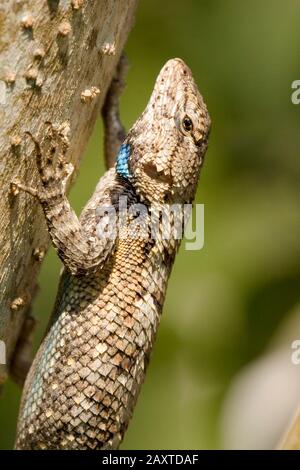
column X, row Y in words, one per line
column 187, row 124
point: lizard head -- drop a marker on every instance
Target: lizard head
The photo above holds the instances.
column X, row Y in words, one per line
column 164, row 150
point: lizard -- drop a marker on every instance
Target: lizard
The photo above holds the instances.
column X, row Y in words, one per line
column 84, row 381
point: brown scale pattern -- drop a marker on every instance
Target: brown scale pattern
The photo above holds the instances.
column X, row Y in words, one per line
column 94, row 357
column 83, row 384
column 95, row 353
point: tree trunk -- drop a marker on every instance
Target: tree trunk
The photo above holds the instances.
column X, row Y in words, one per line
column 57, row 58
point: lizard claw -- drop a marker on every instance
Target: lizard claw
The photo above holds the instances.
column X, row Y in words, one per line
column 16, row 186
column 69, row 170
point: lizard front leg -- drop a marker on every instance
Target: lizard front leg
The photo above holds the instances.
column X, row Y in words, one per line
column 78, row 246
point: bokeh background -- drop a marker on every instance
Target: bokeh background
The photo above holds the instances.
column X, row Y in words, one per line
column 221, row 375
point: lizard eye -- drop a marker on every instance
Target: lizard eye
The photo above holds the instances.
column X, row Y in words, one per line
column 187, row 124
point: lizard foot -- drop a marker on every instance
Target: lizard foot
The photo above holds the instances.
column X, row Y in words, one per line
column 53, row 168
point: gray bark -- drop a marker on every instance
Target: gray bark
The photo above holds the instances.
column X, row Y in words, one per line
column 57, row 58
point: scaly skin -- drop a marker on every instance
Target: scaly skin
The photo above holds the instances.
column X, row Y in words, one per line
column 83, row 384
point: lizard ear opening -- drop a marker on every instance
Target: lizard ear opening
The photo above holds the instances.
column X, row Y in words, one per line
column 151, row 170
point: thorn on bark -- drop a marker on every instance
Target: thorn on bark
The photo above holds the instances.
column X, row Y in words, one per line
column 17, row 303
column 64, row 28
column 34, row 78
column 39, row 254
column 39, row 81
column 39, row 53
column 10, row 78
column 15, row 142
column 14, row 190
column 109, row 48
column 31, row 76
column 77, row 4
column 31, row 73
column 89, row 94
column 27, row 21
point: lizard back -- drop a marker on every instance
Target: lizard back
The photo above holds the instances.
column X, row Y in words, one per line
column 82, row 387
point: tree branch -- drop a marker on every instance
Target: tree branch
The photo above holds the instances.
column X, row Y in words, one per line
column 57, row 59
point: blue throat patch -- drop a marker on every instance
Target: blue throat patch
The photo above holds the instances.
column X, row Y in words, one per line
column 122, row 160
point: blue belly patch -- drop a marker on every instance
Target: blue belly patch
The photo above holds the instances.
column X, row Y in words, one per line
column 122, row 160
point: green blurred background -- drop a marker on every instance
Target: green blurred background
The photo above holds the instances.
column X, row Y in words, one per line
column 227, row 302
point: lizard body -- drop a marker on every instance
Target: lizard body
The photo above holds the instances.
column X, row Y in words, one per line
column 84, row 381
